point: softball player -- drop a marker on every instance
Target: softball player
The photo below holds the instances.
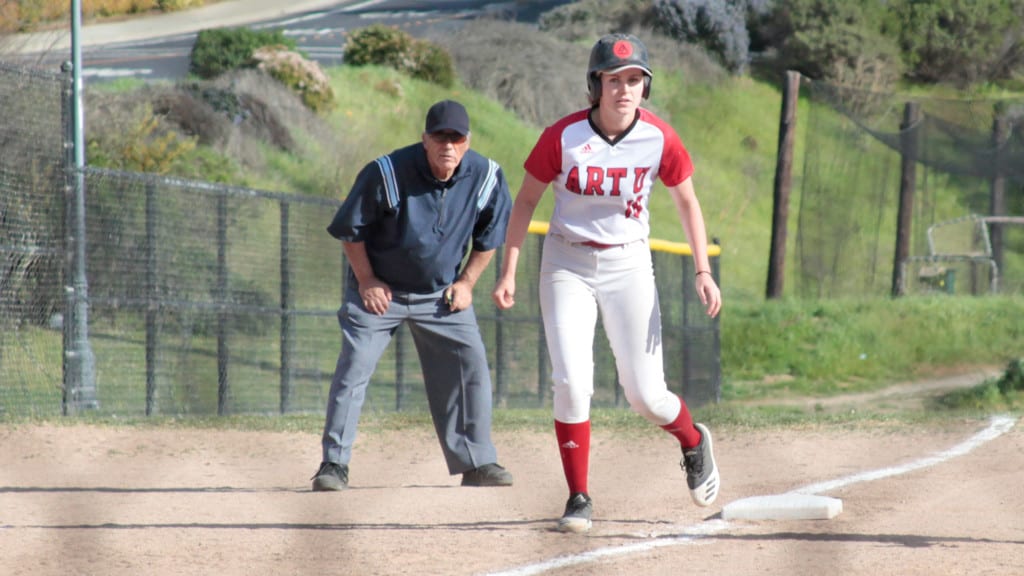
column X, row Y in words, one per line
column 602, row 163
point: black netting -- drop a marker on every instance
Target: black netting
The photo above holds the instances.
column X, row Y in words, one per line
column 967, row 159
column 980, row 138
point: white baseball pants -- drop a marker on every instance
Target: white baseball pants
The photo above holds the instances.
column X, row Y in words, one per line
column 576, row 283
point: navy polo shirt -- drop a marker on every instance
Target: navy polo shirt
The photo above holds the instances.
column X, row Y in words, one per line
column 417, row 230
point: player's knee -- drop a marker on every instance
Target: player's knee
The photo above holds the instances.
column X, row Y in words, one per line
column 655, row 406
column 571, row 399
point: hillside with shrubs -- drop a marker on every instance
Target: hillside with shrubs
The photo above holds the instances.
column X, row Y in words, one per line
column 535, row 71
column 256, row 112
column 700, row 49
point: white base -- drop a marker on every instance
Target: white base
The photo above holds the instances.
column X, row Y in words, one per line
column 783, row 507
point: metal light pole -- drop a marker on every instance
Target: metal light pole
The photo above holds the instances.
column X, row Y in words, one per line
column 80, row 362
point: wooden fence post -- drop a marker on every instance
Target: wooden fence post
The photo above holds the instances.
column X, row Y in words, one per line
column 908, row 181
column 997, row 200
column 783, row 183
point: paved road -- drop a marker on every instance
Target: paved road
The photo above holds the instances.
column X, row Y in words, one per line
column 158, row 47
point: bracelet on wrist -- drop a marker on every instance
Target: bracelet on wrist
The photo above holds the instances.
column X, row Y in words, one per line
column 699, row 272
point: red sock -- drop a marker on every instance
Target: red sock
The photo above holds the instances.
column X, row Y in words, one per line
column 682, row 427
column 574, row 448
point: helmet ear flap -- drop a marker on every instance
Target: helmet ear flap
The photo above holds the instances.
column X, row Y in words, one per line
column 647, row 87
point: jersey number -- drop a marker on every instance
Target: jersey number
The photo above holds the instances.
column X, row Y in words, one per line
column 634, row 207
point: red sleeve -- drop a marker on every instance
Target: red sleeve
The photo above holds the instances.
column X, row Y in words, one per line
column 545, row 160
column 676, row 165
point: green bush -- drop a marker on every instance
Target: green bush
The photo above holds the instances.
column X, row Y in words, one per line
column 378, row 44
column 302, row 76
column 932, row 40
column 588, row 20
column 953, row 40
column 175, row 5
column 386, row 46
column 1013, row 379
column 140, row 143
column 830, row 40
column 29, row 15
column 433, row 64
column 220, row 50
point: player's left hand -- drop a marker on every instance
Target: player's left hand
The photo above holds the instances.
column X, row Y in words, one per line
column 709, row 294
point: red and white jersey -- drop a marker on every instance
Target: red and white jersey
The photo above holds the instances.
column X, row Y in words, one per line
column 602, row 187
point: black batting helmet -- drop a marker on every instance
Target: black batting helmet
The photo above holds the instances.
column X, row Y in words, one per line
column 615, row 52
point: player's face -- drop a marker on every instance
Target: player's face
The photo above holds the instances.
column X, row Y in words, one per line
column 622, row 91
column 445, row 150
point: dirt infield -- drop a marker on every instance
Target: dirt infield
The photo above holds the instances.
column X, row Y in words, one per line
column 118, row 501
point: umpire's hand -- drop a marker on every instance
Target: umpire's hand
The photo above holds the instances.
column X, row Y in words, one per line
column 376, row 296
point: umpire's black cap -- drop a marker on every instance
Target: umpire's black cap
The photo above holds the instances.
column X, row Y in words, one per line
column 447, row 115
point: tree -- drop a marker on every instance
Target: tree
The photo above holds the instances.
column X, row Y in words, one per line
column 959, row 40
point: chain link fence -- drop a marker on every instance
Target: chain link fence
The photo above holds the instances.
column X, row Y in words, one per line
column 33, row 200
column 213, row 299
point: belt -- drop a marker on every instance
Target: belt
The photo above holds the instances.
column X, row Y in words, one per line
column 587, row 243
column 598, row 245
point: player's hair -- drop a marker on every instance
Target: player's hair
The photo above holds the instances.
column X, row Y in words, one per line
column 614, row 51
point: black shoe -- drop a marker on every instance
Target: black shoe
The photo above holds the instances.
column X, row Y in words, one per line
column 577, row 513
column 701, row 473
column 330, row 477
column 487, row 475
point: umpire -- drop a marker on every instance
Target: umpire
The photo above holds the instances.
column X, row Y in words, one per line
column 406, row 227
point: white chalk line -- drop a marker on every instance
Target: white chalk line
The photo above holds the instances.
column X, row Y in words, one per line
column 998, row 425
column 689, row 534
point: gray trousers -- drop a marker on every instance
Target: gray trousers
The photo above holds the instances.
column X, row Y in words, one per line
column 455, row 373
